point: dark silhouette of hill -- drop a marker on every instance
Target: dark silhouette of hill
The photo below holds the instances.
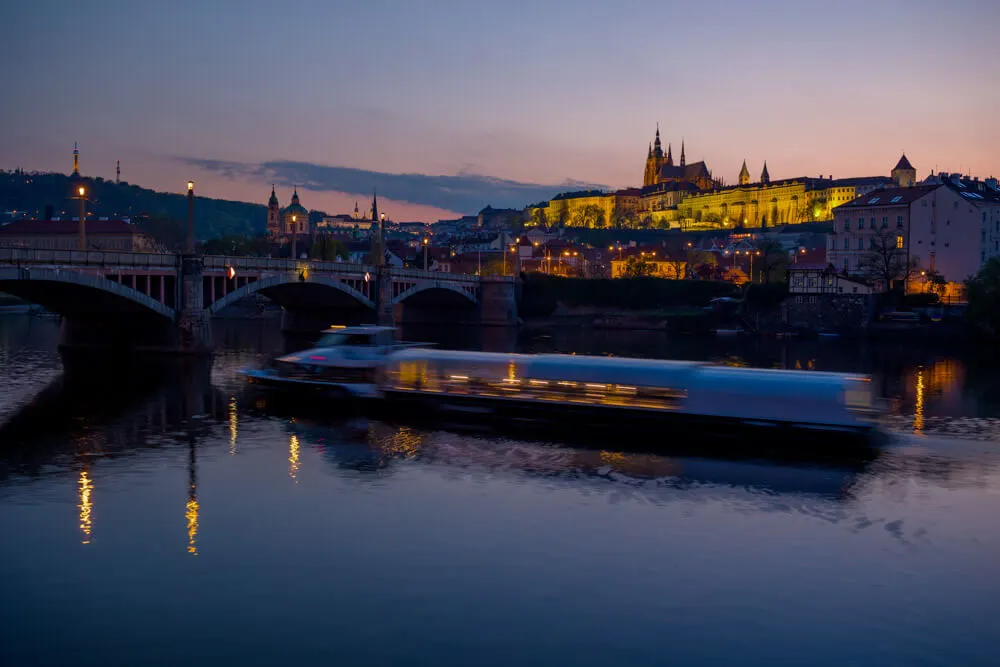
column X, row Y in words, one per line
column 40, row 194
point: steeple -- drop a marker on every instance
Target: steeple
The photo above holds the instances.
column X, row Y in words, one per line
column 683, row 159
column 657, row 146
column 118, row 172
column 295, row 196
column 650, row 153
column 764, row 176
column 76, row 159
column 744, row 174
column 670, row 155
column 374, row 205
column 356, row 214
column 273, row 201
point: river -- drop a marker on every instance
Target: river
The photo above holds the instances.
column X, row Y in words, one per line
column 153, row 513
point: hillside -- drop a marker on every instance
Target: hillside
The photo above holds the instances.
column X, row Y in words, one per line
column 20, row 191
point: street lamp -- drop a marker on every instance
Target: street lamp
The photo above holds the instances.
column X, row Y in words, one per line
column 294, row 218
column 190, row 220
column 82, row 192
column 425, row 243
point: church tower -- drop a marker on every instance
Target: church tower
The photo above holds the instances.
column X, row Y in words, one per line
column 744, row 174
column 670, row 155
column 76, row 160
column 273, row 215
column 683, row 159
column 765, row 177
column 903, row 173
column 654, row 160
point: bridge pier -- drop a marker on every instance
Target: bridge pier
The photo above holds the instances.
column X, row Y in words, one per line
column 497, row 302
column 194, row 330
column 385, row 314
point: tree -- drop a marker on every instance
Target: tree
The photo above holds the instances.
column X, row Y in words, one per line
column 538, row 217
column 637, row 267
column 983, row 313
column 885, row 261
column 772, row 262
column 703, row 264
column 328, row 249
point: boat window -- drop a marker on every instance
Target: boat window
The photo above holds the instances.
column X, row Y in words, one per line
column 339, row 338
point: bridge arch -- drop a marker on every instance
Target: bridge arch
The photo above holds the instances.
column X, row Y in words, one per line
column 272, row 286
column 70, row 293
column 430, row 286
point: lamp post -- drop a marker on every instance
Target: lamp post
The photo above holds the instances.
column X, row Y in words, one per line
column 426, row 243
column 294, row 218
column 190, row 220
column 82, row 192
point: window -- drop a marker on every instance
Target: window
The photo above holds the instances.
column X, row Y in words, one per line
column 895, row 199
column 861, row 244
column 899, row 242
column 899, row 222
column 885, row 221
column 847, row 243
column 847, row 265
column 873, row 223
column 847, row 225
column 861, row 223
column 871, row 242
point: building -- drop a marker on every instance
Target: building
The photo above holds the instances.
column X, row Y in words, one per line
column 819, row 278
column 282, row 223
column 946, row 228
column 660, row 168
column 686, row 195
column 107, row 235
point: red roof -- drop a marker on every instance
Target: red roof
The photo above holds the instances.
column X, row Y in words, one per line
column 46, row 227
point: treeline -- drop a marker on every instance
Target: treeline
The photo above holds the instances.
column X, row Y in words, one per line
column 45, row 196
column 541, row 292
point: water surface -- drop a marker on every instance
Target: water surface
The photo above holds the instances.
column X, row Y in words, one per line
column 155, row 514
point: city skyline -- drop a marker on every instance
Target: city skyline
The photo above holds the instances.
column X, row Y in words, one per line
column 440, row 107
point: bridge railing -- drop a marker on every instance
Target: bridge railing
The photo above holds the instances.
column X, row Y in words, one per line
column 149, row 260
column 87, row 258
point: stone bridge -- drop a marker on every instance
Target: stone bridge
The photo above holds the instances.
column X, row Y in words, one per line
column 165, row 301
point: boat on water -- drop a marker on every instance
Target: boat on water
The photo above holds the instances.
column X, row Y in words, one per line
column 582, row 391
column 344, row 362
column 574, row 392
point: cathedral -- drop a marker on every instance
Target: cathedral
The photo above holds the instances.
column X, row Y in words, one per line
column 282, row 223
column 660, row 168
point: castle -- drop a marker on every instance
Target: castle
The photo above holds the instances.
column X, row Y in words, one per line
column 689, row 197
column 283, row 223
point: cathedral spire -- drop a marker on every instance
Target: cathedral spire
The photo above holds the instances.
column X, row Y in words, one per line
column 683, row 159
column 657, row 146
column 744, row 174
column 374, row 205
column 650, row 153
column 273, row 200
column 670, row 155
column 76, row 159
column 764, row 176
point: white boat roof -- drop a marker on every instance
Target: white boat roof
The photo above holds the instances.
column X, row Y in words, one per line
column 617, row 370
column 367, row 329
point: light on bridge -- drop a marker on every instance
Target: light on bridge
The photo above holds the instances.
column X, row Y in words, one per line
column 230, row 272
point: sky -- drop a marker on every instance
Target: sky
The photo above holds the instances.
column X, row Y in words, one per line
column 446, row 106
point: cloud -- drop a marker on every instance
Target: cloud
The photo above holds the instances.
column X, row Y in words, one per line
column 465, row 192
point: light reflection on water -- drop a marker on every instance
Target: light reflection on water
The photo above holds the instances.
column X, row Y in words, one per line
column 409, row 546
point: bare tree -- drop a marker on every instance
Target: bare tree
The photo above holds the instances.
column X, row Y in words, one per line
column 885, row 260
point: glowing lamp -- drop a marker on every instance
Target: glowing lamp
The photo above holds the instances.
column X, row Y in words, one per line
column 190, row 186
column 82, row 191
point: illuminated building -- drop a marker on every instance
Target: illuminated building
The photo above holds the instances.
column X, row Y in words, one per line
column 85, row 490
column 947, row 226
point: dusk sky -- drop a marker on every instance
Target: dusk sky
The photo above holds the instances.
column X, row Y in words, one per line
column 519, row 99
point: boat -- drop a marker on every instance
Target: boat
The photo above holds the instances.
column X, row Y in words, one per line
column 580, row 392
column 344, row 363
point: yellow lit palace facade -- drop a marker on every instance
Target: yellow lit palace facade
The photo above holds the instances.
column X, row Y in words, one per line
column 686, row 195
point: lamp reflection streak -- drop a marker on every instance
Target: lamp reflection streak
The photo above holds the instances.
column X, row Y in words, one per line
column 233, row 425
column 918, row 408
column 86, row 506
column 191, row 513
column 293, row 456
